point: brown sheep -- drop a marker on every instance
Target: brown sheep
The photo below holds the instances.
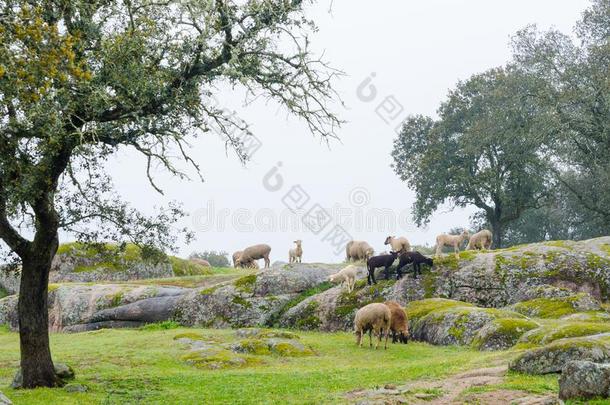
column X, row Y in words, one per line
column 358, row 250
column 373, row 318
column 201, row 262
column 236, row 256
column 480, row 240
column 255, row 252
column 398, row 244
column 400, row 324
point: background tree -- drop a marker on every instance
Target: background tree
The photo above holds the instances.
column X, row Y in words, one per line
column 80, row 80
column 571, row 77
column 216, row 259
column 484, row 150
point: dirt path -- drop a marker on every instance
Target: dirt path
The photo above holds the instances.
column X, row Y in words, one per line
column 450, row 390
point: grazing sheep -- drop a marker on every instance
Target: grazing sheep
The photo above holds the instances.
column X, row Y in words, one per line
column 480, row 240
column 253, row 264
column 398, row 244
column 379, row 261
column 347, row 275
column 373, row 318
column 412, row 257
column 451, row 240
column 254, row 253
column 400, row 324
column 295, row 255
column 358, row 250
column 236, row 256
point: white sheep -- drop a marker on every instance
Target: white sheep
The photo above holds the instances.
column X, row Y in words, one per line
column 295, row 255
column 358, row 250
column 451, row 240
column 398, row 244
column 374, row 318
column 480, row 240
column 255, row 252
column 347, row 275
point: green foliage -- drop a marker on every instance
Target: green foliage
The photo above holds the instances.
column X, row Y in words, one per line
column 215, row 258
column 165, row 325
column 309, row 319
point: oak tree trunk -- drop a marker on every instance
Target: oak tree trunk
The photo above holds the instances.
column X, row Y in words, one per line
column 36, row 364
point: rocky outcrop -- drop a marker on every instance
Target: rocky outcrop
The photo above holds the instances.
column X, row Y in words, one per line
column 552, row 357
column 584, row 380
column 251, row 300
column 81, row 307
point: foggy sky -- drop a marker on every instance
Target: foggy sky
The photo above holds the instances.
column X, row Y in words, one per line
column 417, row 51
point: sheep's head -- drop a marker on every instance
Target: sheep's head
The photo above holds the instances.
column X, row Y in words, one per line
column 368, row 253
column 393, row 253
column 429, row 262
column 332, row 278
column 388, row 240
column 403, row 337
column 298, row 242
column 466, row 234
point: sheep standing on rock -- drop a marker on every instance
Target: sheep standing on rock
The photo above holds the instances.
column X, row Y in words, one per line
column 451, row 240
column 255, row 252
column 295, row 255
column 398, row 244
column 373, row 318
column 400, row 324
column 347, row 275
column 358, row 250
column 380, row 261
column 480, row 240
column 412, row 257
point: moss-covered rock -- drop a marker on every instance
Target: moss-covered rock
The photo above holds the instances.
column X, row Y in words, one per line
column 502, row 333
column 418, row 309
column 455, row 324
column 556, row 307
column 552, row 357
column 265, row 333
column 278, row 346
column 555, row 330
column 217, row 358
column 590, row 316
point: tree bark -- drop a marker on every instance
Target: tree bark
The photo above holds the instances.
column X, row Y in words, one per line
column 498, row 234
column 36, row 364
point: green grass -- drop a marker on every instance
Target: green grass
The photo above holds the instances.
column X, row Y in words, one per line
column 145, row 366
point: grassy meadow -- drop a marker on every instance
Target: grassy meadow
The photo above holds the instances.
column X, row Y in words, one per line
column 144, row 367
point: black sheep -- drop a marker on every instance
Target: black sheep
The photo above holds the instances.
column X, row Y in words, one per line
column 412, row 257
column 380, row 261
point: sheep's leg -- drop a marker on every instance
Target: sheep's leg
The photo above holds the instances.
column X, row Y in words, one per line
column 359, row 338
column 371, row 337
column 267, row 262
column 457, row 251
column 387, row 332
column 398, row 272
column 439, row 248
column 386, row 272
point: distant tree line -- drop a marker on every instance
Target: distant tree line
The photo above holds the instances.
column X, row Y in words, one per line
column 216, row 259
column 527, row 143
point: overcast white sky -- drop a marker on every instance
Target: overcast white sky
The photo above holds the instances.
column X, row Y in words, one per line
column 417, row 50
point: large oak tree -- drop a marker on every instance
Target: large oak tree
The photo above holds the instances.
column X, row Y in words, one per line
column 80, row 80
column 483, row 150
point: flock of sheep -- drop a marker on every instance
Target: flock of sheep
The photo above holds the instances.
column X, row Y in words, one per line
column 380, row 319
